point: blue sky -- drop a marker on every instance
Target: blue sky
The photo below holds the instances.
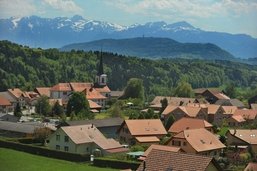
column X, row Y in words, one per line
column 233, row 16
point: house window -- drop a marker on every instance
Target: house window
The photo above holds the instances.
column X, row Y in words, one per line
column 184, row 143
column 65, row 93
column 103, row 80
column 66, row 148
column 66, row 139
column 57, row 137
column 57, row 147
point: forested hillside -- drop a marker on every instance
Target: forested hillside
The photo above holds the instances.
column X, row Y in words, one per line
column 150, row 47
column 28, row 68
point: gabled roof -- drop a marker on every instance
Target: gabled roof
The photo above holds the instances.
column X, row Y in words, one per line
column 16, row 92
column 81, row 134
column 147, row 139
column 161, row 147
column 8, row 96
column 99, row 123
column 43, row 91
column 191, row 111
column 229, row 109
column 4, row 101
column 76, row 86
column 188, row 123
column 169, row 109
column 247, row 135
column 104, row 89
column 212, row 108
column 230, row 102
column 18, row 127
column 145, row 127
column 161, row 160
column 92, row 94
column 61, row 87
column 218, row 94
column 251, row 167
column 238, row 118
column 201, row 90
column 248, row 114
column 200, row 139
column 94, row 105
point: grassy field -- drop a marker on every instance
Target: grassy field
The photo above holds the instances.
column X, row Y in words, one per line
column 11, row 160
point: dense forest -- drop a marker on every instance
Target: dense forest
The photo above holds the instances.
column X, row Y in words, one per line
column 28, row 68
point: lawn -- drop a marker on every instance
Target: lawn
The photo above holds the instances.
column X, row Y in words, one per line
column 20, row 161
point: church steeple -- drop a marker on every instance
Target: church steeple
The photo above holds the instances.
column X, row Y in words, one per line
column 101, row 78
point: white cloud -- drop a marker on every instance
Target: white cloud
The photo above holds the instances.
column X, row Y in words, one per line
column 16, row 8
column 187, row 8
column 64, row 5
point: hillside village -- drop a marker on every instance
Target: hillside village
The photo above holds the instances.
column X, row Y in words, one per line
column 210, row 131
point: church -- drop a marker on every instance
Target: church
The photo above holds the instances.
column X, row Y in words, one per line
column 97, row 92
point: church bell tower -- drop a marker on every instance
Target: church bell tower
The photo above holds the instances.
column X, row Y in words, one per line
column 101, row 78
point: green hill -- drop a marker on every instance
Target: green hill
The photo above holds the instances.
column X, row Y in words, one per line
column 150, row 47
column 28, row 68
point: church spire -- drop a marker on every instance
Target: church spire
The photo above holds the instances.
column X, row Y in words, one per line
column 101, row 68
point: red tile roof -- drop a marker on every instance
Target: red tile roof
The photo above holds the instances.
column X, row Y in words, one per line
column 145, row 127
column 80, row 86
column 247, row 135
column 4, row 102
column 188, row 123
column 201, row 139
column 92, row 94
column 147, row 139
column 16, row 92
column 94, row 105
column 160, row 160
column 43, row 91
column 61, row 87
column 161, row 147
column 238, row 118
column 104, row 89
column 247, row 114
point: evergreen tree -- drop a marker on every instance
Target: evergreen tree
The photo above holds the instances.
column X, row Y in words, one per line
column 169, row 122
column 164, row 103
column 57, row 109
column 17, row 110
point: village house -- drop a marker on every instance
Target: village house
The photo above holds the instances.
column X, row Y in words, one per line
column 164, row 160
column 83, row 139
column 179, row 112
column 18, row 95
column 189, row 123
column 159, row 147
column 212, row 96
column 223, row 114
column 242, row 137
column 212, row 111
column 43, row 91
column 5, row 105
column 249, row 115
column 236, row 121
column 197, row 141
column 108, row 127
column 145, row 131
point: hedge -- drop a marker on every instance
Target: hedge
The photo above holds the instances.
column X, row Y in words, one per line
column 44, row 151
column 116, row 164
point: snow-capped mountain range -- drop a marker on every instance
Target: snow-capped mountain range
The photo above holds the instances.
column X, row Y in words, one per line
column 57, row 32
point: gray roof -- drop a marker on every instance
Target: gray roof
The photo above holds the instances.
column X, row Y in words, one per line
column 98, row 122
column 9, row 118
column 230, row 102
column 18, row 127
column 8, row 96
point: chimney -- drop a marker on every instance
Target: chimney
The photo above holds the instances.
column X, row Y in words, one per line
column 144, row 166
column 92, row 126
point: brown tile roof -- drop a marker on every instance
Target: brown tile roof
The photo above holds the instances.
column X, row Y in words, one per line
column 247, row 114
column 191, row 111
column 87, row 134
column 61, row 87
column 176, row 101
column 247, row 135
column 201, row 90
column 221, row 96
column 229, row 109
column 161, row 147
column 145, row 127
column 251, row 167
column 160, row 160
column 92, row 93
column 212, row 108
column 16, row 92
column 238, row 118
column 201, row 139
column 43, row 91
column 169, row 109
column 4, row 101
column 147, row 139
column 104, row 89
column 94, row 105
column 188, row 123
column 80, row 86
